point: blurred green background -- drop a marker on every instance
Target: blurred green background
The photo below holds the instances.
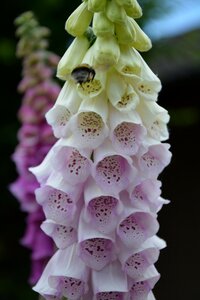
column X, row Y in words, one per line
column 176, row 60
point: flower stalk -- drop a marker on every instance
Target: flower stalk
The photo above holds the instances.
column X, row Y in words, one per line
column 99, row 182
column 35, row 135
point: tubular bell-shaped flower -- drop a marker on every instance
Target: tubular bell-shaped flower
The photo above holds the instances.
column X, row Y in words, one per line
column 111, row 170
column 101, row 208
column 99, row 183
column 88, row 127
column 126, row 131
column 65, row 275
column 110, row 282
column 35, row 136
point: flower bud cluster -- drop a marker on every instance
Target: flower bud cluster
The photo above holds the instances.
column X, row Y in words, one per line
column 99, row 186
column 35, row 136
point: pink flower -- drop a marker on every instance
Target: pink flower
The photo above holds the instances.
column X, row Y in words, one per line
column 35, row 138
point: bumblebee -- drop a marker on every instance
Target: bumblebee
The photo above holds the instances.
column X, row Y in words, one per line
column 83, row 73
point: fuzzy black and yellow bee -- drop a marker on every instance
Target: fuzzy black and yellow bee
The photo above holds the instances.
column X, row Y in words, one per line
column 83, row 73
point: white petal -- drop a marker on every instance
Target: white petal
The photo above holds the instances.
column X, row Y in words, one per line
column 155, row 119
column 43, row 170
column 115, row 87
column 66, row 105
column 88, row 126
column 121, row 94
column 147, row 84
column 63, row 235
column 65, row 263
column 129, row 63
column 85, row 232
column 109, row 279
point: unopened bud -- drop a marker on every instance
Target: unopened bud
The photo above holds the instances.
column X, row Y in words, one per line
column 102, row 26
column 132, row 8
column 115, row 13
column 141, row 42
column 106, row 51
column 125, row 34
column 96, row 5
column 79, row 20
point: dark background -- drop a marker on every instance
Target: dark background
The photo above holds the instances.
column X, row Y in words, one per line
column 176, row 61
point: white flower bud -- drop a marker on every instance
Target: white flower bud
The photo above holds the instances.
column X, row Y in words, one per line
column 115, row 13
column 102, row 26
column 96, row 5
column 79, row 20
column 125, row 34
column 106, row 51
column 132, row 8
column 141, row 42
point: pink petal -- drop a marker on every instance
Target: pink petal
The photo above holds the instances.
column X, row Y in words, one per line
column 127, row 132
column 96, row 253
column 146, row 195
column 63, row 235
column 112, row 171
column 127, row 137
column 102, row 209
column 96, row 249
column 76, row 167
column 140, row 290
column 138, row 226
column 57, row 205
column 135, row 262
column 138, row 263
column 155, row 160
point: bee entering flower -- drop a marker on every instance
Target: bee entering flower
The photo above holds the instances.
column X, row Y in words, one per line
column 83, row 73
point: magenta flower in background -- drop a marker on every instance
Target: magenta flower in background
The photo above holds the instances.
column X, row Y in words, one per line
column 35, row 135
column 99, row 187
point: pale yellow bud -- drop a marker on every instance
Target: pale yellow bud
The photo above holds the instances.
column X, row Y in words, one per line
column 79, row 20
column 124, row 2
column 125, row 34
column 106, row 51
column 115, row 13
column 72, row 57
column 102, row 26
column 96, row 5
column 141, row 42
column 132, row 8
